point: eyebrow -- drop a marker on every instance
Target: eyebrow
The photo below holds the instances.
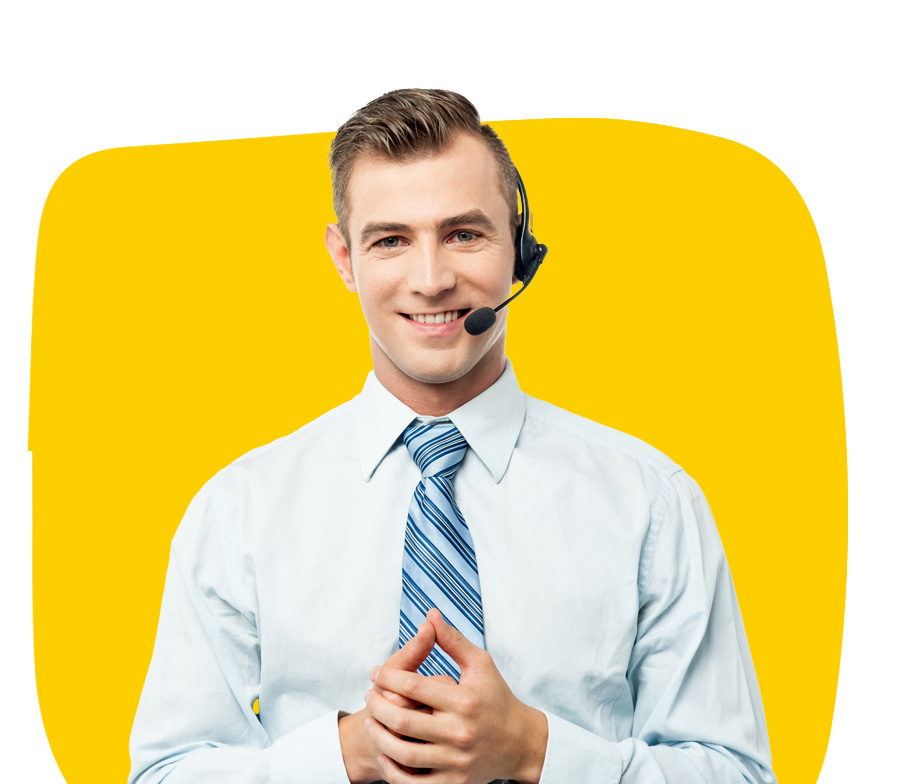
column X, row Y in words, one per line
column 472, row 218
column 373, row 229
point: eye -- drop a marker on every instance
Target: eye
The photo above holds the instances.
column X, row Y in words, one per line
column 464, row 236
column 390, row 243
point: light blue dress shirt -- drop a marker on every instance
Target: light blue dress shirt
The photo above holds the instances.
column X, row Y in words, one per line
column 607, row 601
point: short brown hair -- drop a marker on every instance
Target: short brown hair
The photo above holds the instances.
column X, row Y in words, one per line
column 406, row 125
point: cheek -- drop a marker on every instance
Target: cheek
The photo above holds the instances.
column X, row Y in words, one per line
column 504, row 281
column 494, row 272
column 376, row 287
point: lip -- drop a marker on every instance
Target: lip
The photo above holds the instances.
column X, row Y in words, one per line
column 436, row 330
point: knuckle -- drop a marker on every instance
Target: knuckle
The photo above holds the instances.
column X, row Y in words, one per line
column 410, row 686
column 398, row 700
column 463, row 775
column 464, row 737
column 400, row 724
column 468, row 705
column 410, row 758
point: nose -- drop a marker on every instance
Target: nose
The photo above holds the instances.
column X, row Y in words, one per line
column 431, row 271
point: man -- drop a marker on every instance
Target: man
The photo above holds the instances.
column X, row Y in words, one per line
column 594, row 633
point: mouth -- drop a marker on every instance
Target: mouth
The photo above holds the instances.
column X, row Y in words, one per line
column 444, row 317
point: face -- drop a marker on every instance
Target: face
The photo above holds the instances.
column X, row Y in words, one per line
column 430, row 242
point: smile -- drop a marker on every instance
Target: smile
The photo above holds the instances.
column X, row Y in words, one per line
column 445, row 317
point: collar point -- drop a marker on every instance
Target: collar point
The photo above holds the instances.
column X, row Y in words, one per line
column 498, row 474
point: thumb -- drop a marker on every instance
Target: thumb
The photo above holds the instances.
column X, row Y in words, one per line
column 454, row 644
column 414, row 652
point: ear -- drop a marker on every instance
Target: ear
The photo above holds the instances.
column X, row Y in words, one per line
column 338, row 252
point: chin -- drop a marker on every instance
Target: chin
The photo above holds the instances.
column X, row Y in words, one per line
column 436, row 367
column 436, row 376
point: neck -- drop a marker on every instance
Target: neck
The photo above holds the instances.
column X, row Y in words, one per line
column 438, row 398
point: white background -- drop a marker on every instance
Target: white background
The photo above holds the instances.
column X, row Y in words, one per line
column 825, row 90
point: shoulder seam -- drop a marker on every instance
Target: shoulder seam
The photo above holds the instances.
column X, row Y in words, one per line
column 225, row 537
column 661, row 467
column 339, row 411
column 655, row 524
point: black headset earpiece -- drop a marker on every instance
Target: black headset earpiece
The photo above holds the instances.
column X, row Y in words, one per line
column 528, row 256
column 528, row 253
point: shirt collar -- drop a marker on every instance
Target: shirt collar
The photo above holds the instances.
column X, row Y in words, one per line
column 490, row 423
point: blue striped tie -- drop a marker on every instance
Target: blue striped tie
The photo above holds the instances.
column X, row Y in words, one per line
column 439, row 563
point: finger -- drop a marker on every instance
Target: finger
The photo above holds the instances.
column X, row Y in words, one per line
column 398, row 699
column 414, row 724
column 404, row 702
column 431, row 691
column 407, row 753
column 415, row 651
column 394, row 773
column 454, row 644
column 409, row 658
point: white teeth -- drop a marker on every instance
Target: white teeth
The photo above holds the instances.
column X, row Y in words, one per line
column 444, row 317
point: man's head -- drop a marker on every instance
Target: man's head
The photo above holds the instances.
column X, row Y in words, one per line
column 407, row 125
column 427, row 204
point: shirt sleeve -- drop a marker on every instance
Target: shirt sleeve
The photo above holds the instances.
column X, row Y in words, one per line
column 698, row 716
column 195, row 721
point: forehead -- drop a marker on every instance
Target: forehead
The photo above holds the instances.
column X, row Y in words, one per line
column 460, row 179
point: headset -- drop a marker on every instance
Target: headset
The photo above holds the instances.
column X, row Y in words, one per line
column 528, row 256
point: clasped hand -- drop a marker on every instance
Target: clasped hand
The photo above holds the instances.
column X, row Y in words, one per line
column 435, row 730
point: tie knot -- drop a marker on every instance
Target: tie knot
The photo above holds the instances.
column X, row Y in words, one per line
column 436, row 448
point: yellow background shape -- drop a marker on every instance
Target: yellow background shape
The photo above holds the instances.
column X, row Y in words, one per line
column 186, row 312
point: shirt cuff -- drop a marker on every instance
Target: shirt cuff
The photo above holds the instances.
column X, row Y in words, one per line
column 575, row 754
column 311, row 753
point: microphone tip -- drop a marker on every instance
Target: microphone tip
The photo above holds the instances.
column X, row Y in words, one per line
column 479, row 321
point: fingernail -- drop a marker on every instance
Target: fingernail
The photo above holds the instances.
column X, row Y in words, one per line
column 367, row 725
column 374, row 672
column 367, row 694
